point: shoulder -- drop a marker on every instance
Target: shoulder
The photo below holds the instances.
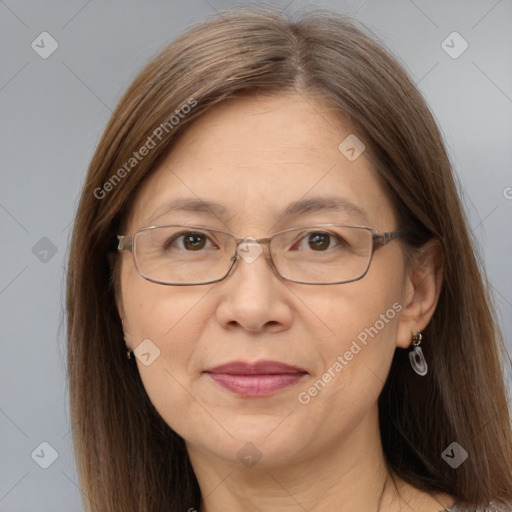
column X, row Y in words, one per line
column 490, row 508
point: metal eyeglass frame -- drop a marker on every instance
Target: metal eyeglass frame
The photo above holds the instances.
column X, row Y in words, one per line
column 378, row 240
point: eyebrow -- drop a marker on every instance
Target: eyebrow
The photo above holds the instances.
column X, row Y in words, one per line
column 297, row 208
column 188, row 205
column 322, row 204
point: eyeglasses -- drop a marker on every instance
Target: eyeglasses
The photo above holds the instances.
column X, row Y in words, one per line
column 182, row 255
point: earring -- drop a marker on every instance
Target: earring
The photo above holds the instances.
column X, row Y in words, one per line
column 416, row 357
column 128, row 352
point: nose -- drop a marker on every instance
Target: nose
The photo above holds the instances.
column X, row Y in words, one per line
column 253, row 296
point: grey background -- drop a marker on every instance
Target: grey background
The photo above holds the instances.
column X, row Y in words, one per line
column 52, row 112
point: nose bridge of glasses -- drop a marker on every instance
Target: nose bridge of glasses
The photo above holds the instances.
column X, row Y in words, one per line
column 251, row 239
column 250, row 249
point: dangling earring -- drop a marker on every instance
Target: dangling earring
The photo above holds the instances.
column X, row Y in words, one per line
column 416, row 357
column 129, row 352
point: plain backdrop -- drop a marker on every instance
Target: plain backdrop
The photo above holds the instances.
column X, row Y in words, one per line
column 52, row 113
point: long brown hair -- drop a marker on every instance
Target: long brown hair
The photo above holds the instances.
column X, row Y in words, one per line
column 128, row 458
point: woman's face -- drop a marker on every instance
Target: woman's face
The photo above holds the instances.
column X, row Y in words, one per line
column 254, row 157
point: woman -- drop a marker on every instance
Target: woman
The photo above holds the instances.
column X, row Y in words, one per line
column 273, row 300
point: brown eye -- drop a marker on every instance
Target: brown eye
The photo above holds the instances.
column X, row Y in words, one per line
column 194, row 241
column 319, row 241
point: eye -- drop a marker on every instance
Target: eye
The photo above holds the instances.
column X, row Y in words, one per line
column 318, row 241
column 194, row 241
column 191, row 241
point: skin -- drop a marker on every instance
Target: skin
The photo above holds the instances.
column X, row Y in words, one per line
column 255, row 156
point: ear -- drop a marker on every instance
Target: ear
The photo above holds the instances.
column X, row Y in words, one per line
column 421, row 291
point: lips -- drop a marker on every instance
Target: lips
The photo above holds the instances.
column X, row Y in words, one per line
column 257, row 368
column 255, row 379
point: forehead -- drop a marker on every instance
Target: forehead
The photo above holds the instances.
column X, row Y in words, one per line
column 256, row 157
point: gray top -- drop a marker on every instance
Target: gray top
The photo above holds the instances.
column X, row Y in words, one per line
column 489, row 508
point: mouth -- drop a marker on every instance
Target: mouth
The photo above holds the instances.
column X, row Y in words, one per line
column 258, row 379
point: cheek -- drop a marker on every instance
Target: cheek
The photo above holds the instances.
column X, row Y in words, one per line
column 351, row 309
column 165, row 325
column 357, row 345
column 169, row 316
column 174, row 324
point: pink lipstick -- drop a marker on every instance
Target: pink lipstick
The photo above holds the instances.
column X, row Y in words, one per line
column 257, row 379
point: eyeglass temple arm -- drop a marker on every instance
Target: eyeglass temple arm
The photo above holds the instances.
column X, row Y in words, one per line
column 384, row 238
